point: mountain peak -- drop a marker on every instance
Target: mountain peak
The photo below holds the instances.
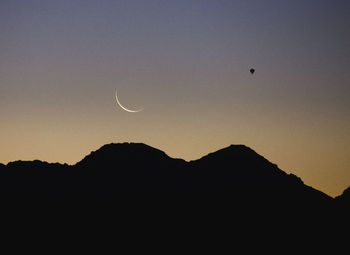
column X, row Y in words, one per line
column 122, row 152
column 239, row 153
column 240, row 148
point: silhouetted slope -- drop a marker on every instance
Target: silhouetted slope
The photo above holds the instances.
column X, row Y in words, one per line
column 121, row 169
column 230, row 177
column 240, row 171
column 343, row 200
column 346, row 195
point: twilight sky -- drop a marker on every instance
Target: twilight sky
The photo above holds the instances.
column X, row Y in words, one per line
column 187, row 64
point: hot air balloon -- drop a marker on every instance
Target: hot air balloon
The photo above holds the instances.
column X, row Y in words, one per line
column 252, row 70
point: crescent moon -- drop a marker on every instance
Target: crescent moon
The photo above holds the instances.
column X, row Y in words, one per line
column 124, row 108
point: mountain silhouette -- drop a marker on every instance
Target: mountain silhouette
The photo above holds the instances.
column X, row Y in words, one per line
column 135, row 173
column 134, row 186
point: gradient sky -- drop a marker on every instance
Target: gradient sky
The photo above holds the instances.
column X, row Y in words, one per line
column 187, row 64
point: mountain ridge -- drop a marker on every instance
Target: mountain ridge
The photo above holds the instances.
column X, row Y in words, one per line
column 217, row 171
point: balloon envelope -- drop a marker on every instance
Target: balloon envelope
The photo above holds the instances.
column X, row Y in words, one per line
column 252, row 70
